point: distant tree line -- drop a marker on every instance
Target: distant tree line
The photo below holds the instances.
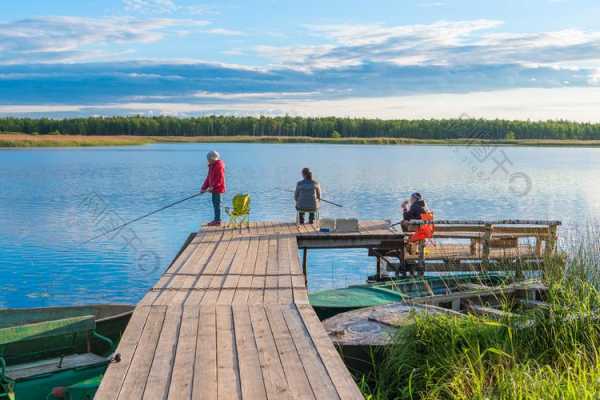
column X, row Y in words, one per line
column 301, row 126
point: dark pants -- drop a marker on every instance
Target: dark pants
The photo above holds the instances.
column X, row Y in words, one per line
column 311, row 217
column 216, row 200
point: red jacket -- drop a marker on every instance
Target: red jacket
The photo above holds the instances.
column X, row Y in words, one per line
column 216, row 177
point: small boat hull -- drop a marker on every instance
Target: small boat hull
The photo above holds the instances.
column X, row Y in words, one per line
column 40, row 388
column 46, row 353
column 362, row 335
column 329, row 303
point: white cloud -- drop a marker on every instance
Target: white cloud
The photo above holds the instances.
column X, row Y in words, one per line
column 59, row 39
column 150, row 6
column 224, row 32
column 400, row 37
column 441, row 43
column 578, row 104
column 595, row 77
column 357, row 44
column 75, row 39
column 233, row 52
column 253, row 95
column 376, row 66
column 442, row 32
column 165, row 7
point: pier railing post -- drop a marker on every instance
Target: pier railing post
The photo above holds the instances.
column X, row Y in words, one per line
column 552, row 239
column 304, row 265
column 538, row 245
column 421, row 269
column 487, row 240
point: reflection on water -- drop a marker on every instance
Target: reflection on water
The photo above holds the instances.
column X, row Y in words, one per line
column 46, row 213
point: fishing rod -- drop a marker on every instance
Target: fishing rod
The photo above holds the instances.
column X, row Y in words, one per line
column 143, row 216
column 323, row 200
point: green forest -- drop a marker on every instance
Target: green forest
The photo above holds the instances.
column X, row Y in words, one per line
column 326, row 127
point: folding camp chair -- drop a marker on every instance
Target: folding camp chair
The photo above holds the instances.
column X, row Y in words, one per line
column 239, row 213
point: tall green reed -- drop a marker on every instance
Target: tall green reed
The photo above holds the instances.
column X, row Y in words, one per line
column 548, row 352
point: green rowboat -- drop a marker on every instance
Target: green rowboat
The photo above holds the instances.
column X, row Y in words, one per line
column 61, row 350
column 328, row 303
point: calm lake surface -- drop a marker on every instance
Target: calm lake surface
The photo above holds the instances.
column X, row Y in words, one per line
column 52, row 200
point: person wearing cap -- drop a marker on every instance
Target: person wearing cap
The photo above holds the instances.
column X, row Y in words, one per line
column 413, row 208
column 215, row 184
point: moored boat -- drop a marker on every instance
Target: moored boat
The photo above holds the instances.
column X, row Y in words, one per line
column 49, row 350
column 328, row 303
column 361, row 335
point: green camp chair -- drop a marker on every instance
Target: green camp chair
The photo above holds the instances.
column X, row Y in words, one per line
column 239, row 213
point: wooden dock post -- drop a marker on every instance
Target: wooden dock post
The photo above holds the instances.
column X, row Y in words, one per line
column 305, row 265
column 421, row 269
column 473, row 246
column 487, row 241
column 552, row 239
column 538, row 245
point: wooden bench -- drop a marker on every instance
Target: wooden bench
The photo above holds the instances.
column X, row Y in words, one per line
column 490, row 242
column 504, row 234
column 57, row 364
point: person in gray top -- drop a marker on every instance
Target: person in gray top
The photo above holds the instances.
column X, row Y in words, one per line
column 307, row 196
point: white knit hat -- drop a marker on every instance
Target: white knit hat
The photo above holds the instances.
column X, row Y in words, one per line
column 212, row 155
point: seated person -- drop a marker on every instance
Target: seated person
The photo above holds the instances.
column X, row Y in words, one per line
column 412, row 209
column 307, row 196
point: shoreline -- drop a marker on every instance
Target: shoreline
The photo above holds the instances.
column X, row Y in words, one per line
column 20, row 140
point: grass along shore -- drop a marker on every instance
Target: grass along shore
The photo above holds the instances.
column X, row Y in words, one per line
column 26, row 140
column 555, row 355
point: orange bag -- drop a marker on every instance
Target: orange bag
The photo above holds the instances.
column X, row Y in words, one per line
column 424, row 231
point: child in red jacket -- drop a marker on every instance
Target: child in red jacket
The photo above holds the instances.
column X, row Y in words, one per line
column 215, row 183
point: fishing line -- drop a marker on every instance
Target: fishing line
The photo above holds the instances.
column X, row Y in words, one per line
column 323, row 200
column 144, row 216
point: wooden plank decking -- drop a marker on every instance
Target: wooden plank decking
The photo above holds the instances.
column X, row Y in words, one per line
column 230, row 319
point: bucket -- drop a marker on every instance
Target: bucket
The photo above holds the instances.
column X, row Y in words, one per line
column 327, row 225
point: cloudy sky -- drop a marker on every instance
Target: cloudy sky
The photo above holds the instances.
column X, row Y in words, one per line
column 536, row 59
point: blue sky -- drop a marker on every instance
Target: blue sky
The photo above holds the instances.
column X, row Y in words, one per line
column 536, row 59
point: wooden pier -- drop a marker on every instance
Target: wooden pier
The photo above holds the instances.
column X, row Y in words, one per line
column 230, row 319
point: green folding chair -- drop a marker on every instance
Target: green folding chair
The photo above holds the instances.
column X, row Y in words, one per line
column 239, row 213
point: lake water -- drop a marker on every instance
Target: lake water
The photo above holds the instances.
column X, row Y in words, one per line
column 52, row 200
